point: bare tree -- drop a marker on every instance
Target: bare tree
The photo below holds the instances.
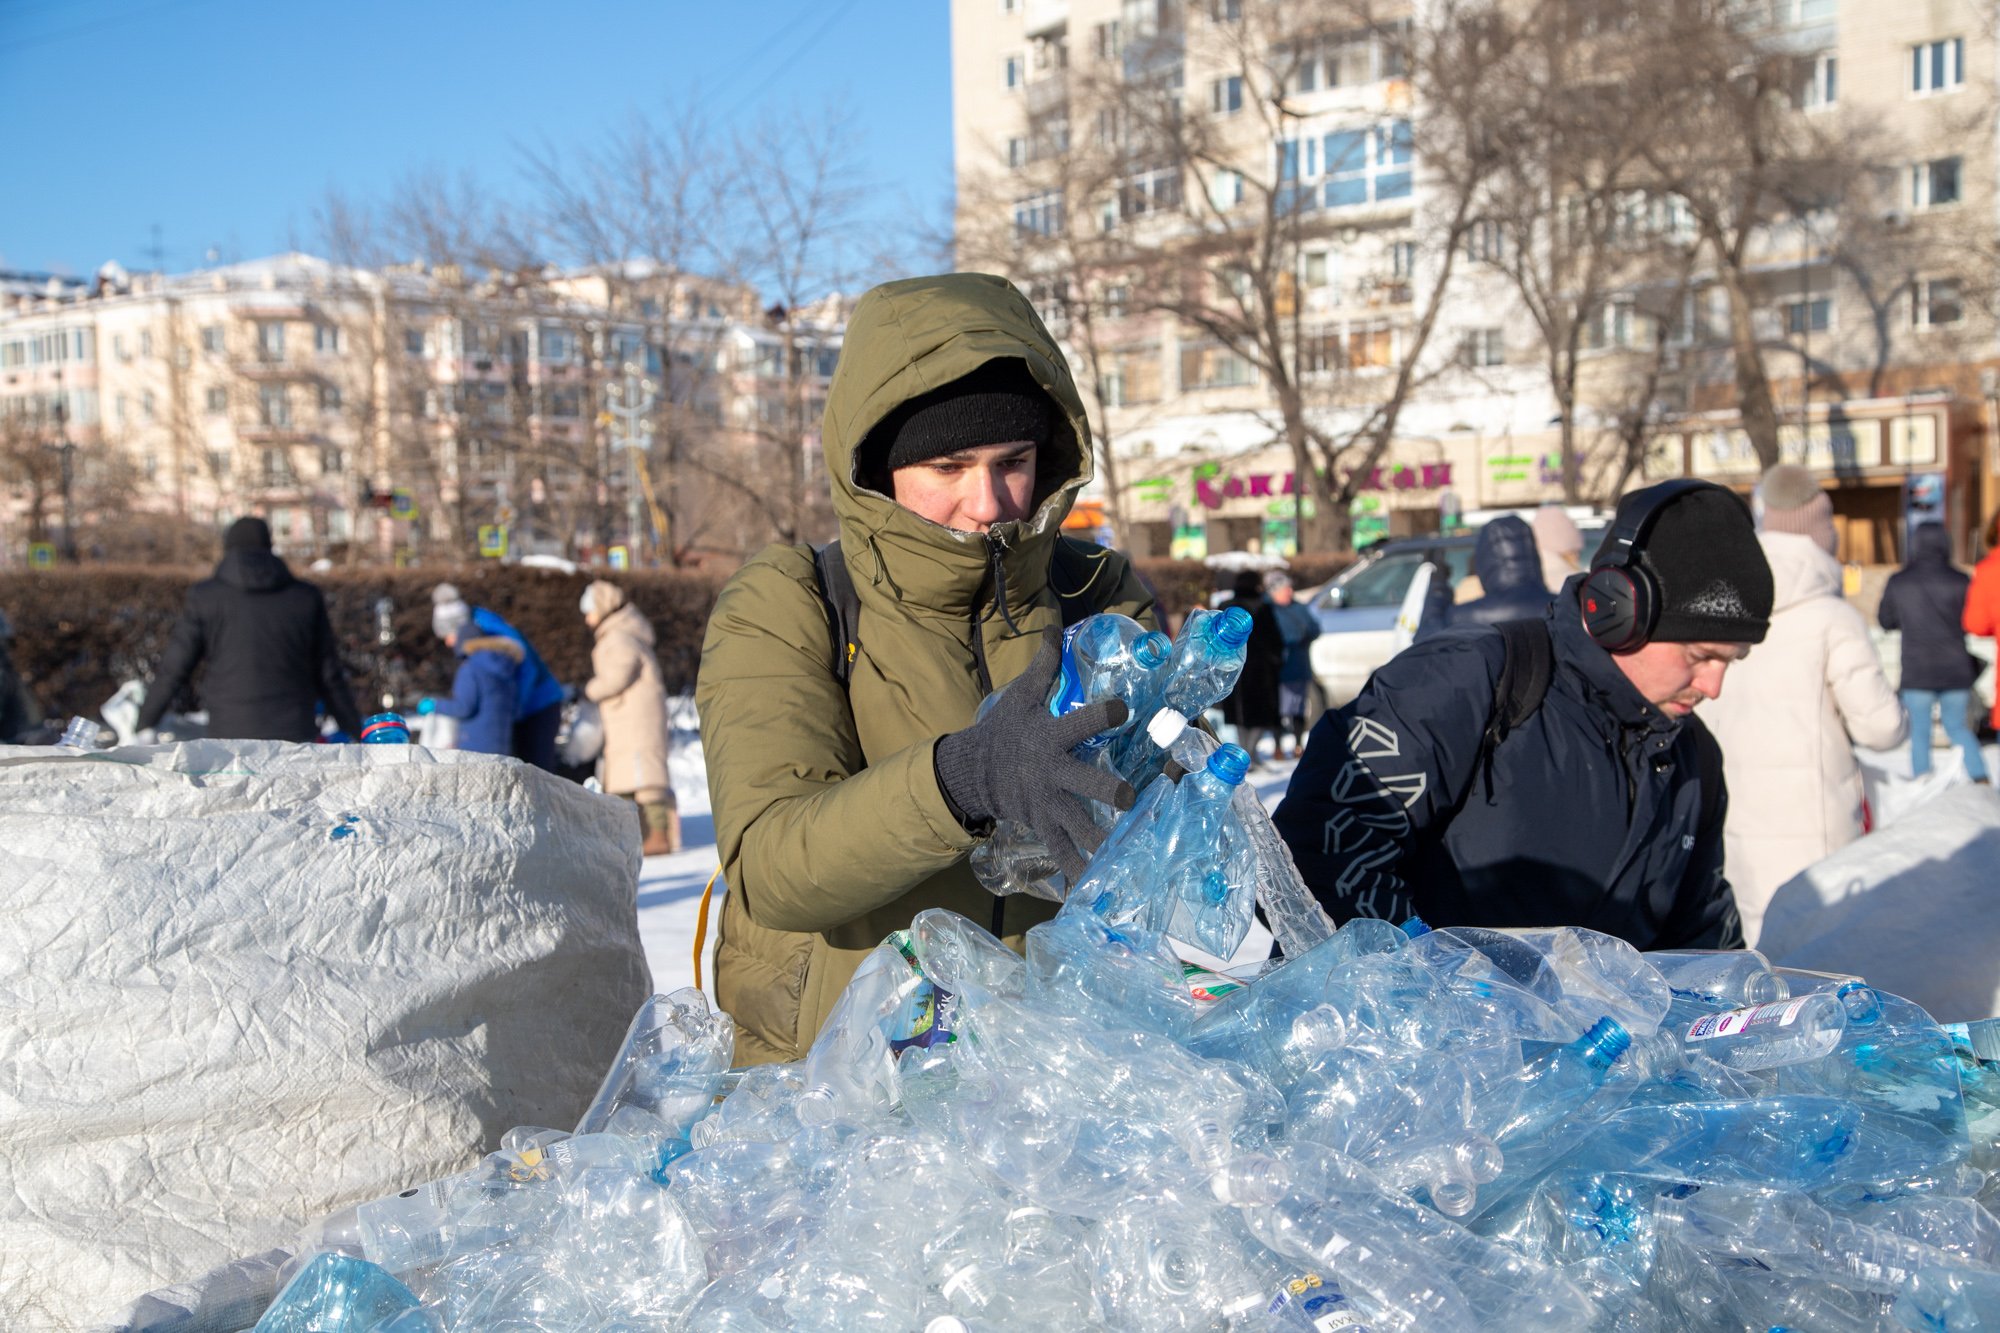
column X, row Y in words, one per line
column 1241, row 182
column 31, row 468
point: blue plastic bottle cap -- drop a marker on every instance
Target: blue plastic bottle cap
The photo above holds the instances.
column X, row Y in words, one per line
column 1230, row 763
column 1416, row 926
column 1231, row 628
column 1609, row 1038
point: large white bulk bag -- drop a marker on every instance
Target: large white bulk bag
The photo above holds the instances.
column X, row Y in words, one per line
column 1909, row 907
column 245, row 984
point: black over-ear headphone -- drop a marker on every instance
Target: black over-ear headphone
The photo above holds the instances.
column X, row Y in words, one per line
column 1621, row 598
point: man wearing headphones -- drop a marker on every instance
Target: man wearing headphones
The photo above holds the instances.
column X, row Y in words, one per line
column 1587, row 796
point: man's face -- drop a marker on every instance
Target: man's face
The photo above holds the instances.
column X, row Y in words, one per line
column 1282, row 594
column 972, row 489
column 1675, row 677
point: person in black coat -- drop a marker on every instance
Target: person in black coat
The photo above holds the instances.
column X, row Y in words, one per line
column 268, row 643
column 1925, row 600
column 1595, row 810
column 1510, row 572
column 1252, row 707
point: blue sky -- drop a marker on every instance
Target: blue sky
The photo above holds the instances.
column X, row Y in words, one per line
column 224, row 122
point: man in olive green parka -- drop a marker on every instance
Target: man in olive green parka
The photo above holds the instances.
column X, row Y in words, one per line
column 833, row 824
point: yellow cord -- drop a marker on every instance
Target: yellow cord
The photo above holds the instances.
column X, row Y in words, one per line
column 701, row 923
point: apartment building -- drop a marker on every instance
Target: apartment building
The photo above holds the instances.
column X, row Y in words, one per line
column 400, row 413
column 1877, row 341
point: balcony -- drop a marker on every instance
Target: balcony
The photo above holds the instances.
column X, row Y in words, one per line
column 1049, row 93
column 1046, row 17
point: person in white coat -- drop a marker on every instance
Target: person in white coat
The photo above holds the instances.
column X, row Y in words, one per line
column 1798, row 705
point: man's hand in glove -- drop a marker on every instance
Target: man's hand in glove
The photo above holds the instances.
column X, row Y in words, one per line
column 1015, row 763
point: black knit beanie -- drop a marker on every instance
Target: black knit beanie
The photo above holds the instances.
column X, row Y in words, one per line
column 247, row 534
column 1715, row 585
column 999, row 403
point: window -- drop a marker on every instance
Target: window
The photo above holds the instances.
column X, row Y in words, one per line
column 413, row 341
column 1010, row 6
column 329, row 398
column 1314, row 269
column 1618, row 323
column 274, row 409
column 1225, row 189
column 1346, row 168
column 81, row 352
column 1814, row 316
column 146, row 404
column 1402, row 260
column 332, row 459
column 1039, row 214
column 1225, row 95
column 566, row 402
column 276, row 468
column 211, row 337
column 1017, row 152
column 1483, row 347
column 1117, row 301
column 1937, row 301
column 1351, row 347
column 1225, row 11
column 1107, row 41
column 1210, row 365
column 1134, row 377
column 1013, row 72
column 271, row 340
column 1937, row 67
column 118, row 347
column 1818, row 82
column 559, row 346
column 1486, row 242
column 1934, row 184
column 1154, row 191
column 118, row 408
column 218, row 401
column 326, row 338
column 145, row 342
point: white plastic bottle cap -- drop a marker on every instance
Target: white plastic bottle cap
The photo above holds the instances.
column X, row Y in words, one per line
column 1166, row 727
column 945, row 1323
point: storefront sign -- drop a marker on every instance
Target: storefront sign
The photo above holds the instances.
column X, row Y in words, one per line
column 1213, row 490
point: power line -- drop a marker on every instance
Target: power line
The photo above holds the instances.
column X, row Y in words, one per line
column 812, row 40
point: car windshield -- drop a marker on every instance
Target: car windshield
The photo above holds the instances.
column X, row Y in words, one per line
column 1381, row 582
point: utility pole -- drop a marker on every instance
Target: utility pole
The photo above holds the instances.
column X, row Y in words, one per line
column 67, row 453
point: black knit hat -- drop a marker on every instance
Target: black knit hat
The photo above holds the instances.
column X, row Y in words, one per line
column 999, row 403
column 247, row 534
column 1715, row 585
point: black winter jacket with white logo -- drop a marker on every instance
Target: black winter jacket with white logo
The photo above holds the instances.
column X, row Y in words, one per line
column 1589, row 814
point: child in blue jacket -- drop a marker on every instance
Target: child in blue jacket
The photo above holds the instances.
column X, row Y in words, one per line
column 484, row 693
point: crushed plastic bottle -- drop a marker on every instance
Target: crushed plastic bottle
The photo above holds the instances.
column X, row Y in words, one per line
column 1392, row 1128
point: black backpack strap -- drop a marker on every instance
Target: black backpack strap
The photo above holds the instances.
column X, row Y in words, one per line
column 843, row 608
column 1524, row 676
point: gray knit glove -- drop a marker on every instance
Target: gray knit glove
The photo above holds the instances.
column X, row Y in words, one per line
column 1015, row 763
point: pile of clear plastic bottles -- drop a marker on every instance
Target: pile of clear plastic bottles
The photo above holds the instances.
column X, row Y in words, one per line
column 1390, row 1128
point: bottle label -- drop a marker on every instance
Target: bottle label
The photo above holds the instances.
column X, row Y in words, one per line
column 1205, row 985
column 1781, row 1014
column 1323, row 1304
column 1068, row 694
column 924, row 1016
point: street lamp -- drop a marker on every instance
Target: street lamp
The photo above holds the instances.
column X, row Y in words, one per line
column 631, row 400
column 67, row 453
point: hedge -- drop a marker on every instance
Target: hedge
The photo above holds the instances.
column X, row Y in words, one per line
column 81, row 633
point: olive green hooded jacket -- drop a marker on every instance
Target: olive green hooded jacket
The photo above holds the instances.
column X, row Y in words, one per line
column 828, row 818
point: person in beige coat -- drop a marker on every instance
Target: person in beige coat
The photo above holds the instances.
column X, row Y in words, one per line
column 625, row 684
column 1797, row 706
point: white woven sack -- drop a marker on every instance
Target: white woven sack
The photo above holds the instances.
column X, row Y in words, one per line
column 246, row 984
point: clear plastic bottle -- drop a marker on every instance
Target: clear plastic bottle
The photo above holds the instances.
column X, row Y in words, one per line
column 81, row 734
column 1104, row 656
column 336, row 1293
column 385, row 729
column 1207, row 658
column 1729, row 977
column 1764, row 1036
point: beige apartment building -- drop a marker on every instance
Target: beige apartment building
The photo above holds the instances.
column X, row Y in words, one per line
column 1873, row 320
column 402, row 413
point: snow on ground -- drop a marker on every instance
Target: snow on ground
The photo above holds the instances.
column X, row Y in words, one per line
column 670, row 887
